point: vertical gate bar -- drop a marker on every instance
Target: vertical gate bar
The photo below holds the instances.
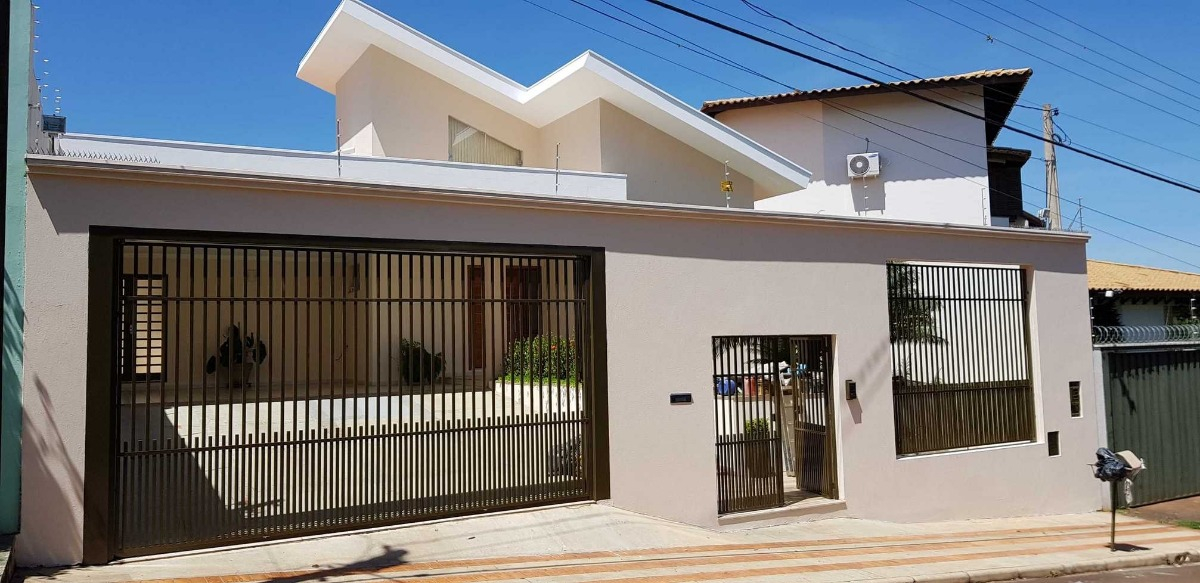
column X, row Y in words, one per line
column 450, row 375
column 339, row 487
column 446, row 484
column 420, row 439
column 411, row 419
column 395, row 397
column 240, row 461
column 549, row 402
column 315, row 433
column 518, row 329
column 129, row 354
column 355, row 439
column 728, row 415
column 777, row 400
column 739, row 424
column 717, row 437
column 164, row 466
column 261, row 448
column 309, row 487
column 501, row 386
column 436, row 395
column 374, row 375
column 140, row 446
column 547, row 309
column 489, row 373
column 298, row 486
column 213, row 481
column 569, row 322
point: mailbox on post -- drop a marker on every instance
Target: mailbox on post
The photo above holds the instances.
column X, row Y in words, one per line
column 1116, row 467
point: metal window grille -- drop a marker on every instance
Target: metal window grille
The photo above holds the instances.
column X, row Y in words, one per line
column 960, row 356
column 141, row 341
column 1076, row 400
column 468, row 144
column 314, row 389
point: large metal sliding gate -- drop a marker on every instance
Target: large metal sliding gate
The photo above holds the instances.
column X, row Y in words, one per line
column 264, row 391
column 1152, row 395
column 774, row 412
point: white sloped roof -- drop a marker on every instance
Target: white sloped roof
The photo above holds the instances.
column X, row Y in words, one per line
column 355, row 26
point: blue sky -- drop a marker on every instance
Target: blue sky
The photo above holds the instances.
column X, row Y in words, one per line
column 224, row 71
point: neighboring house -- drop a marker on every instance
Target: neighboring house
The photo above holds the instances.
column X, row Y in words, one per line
column 1136, row 295
column 229, row 344
column 1146, row 340
column 969, row 181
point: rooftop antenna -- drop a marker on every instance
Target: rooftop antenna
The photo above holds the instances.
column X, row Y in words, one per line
column 727, row 185
column 1079, row 201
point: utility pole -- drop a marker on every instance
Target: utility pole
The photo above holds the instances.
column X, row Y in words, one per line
column 1054, row 221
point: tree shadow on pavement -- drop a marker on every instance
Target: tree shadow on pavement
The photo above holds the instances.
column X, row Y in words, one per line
column 390, row 557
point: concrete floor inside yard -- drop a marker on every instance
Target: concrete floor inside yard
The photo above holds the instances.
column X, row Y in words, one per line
column 593, row 542
column 1183, row 510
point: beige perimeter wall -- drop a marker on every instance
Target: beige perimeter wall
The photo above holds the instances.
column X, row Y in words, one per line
column 673, row 282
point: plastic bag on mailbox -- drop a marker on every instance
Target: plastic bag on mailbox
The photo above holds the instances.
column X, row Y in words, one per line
column 1108, row 466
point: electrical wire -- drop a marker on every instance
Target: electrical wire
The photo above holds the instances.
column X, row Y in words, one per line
column 1102, row 158
column 993, row 39
column 843, row 108
column 1018, row 101
column 625, row 42
column 907, row 74
column 904, row 154
column 1078, row 58
column 1087, row 48
column 1130, row 136
column 1117, row 43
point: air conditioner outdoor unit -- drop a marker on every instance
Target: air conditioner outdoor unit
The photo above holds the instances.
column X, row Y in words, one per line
column 862, row 165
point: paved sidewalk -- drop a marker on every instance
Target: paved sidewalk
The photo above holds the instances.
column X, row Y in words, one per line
column 574, row 544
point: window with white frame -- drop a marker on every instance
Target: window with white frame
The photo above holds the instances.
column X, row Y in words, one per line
column 468, row 144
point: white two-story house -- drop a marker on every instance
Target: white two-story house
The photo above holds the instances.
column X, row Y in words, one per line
column 919, row 161
column 493, row 296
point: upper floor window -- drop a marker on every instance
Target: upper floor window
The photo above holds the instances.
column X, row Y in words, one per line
column 468, row 144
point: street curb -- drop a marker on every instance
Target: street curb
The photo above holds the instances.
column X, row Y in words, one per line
column 1047, row 571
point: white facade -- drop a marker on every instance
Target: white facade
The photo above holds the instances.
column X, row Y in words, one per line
column 397, row 89
column 915, row 181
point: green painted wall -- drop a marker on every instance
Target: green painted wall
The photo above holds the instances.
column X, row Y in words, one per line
column 20, row 35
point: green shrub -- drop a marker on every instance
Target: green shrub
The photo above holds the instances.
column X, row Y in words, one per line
column 543, row 357
column 757, row 427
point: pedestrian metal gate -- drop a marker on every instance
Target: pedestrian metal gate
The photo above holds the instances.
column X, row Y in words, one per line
column 774, row 413
column 1152, row 394
column 263, row 391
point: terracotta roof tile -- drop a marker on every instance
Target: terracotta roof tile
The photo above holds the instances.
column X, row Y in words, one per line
column 986, row 76
column 1105, row 275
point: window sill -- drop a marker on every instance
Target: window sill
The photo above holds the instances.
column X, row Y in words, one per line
column 967, row 450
